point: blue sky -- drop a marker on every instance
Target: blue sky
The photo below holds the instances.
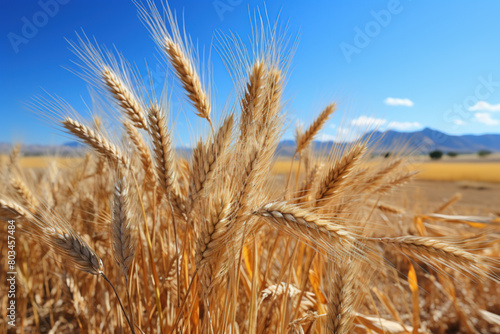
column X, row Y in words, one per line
column 394, row 64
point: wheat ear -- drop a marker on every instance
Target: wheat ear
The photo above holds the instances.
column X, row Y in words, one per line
column 13, row 164
column 144, row 153
column 342, row 296
column 307, row 227
column 437, row 253
column 121, row 232
column 190, row 80
column 96, row 141
column 337, row 175
column 387, row 208
column 253, row 98
column 10, row 210
column 303, row 194
column 28, row 199
column 395, row 182
column 206, row 158
column 125, row 98
column 272, row 98
column 306, row 138
column 162, row 148
column 210, row 242
column 374, row 180
column 452, row 200
column 67, row 243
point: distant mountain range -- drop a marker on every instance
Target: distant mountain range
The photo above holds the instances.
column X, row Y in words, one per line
column 66, row 149
column 422, row 141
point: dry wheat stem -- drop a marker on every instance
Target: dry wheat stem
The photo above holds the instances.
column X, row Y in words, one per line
column 125, row 98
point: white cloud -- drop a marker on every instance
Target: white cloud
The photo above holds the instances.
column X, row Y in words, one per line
column 485, row 118
column 485, row 106
column 365, row 121
column 325, row 137
column 458, row 122
column 341, row 135
column 404, row 125
column 394, row 101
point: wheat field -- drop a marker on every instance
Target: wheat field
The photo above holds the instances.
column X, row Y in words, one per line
column 135, row 239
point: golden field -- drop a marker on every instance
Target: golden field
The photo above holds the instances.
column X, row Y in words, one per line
column 460, row 171
column 44, row 161
column 446, row 170
column 480, row 171
column 134, row 238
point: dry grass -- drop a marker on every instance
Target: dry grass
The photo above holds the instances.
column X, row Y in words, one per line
column 135, row 239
